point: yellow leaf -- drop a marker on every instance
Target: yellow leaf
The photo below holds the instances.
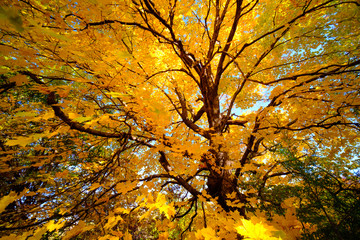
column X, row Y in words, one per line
column 51, row 226
column 74, row 115
column 145, row 215
column 10, row 237
column 206, row 234
column 255, row 229
column 23, row 141
column 82, row 119
column 48, row 115
column 5, row 201
column 24, row 236
column 112, row 221
column 127, row 236
column 76, row 230
column 164, row 236
column 94, row 186
column 39, row 233
column 116, row 94
column 167, row 209
column 109, row 237
column 19, row 79
column 289, row 202
column 63, row 174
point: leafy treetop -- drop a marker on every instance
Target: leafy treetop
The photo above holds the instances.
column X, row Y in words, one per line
column 206, row 119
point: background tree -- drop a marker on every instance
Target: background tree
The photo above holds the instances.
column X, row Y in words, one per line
column 180, row 119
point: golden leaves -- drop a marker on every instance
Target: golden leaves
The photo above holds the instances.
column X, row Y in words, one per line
column 23, row 141
column 125, row 187
column 119, row 77
column 5, row 201
column 160, row 204
column 80, row 227
column 19, row 79
column 127, row 236
column 13, row 196
column 206, row 234
column 109, row 237
column 255, row 229
column 112, row 220
column 52, row 225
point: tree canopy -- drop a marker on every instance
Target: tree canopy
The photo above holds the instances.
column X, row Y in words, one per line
column 180, row 119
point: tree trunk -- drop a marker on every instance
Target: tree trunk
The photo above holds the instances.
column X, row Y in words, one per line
column 220, row 183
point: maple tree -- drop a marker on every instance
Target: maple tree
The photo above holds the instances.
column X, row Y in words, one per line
column 155, row 119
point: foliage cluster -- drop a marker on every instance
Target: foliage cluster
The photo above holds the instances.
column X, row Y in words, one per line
column 179, row 119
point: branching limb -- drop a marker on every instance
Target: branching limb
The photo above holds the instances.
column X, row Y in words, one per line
column 191, row 221
column 167, row 167
column 220, row 68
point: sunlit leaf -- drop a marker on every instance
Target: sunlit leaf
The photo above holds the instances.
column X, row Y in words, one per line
column 5, row 201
